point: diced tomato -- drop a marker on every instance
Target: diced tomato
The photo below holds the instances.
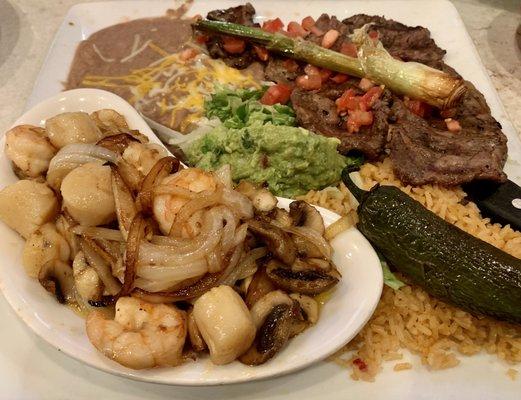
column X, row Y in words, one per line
column 188, row 54
column 201, row 38
column 453, row 125
column 308, row 82
column 233, row 45
column 349, row 49
column 348, row 101
column 330, row 38
column 365, row 84
column 358, row 118
column 367, row 101
column 296, row 30
column 339, row 78
column 311, row 70
column 278, row 93
column 272, row 25
column 261, row 52
column 325, row 74
column 317, row 32
column 308, row 23
column 374, row 35
column 417, row 107
column 362, row 366
column 290, row 65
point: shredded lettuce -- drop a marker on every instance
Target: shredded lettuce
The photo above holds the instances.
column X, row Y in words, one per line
column 389, row 278
column 239, row 108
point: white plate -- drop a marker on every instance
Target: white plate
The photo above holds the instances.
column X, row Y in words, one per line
column 478, row 377
column 351, row 304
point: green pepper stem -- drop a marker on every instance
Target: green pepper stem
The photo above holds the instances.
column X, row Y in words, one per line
column 351, row 185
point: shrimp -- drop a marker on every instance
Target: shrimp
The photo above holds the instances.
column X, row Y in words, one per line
column 142, row 335
column 143, row 156
column 29, row 149
column 167, row 206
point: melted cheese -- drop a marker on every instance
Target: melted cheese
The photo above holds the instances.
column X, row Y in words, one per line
column 171, row 84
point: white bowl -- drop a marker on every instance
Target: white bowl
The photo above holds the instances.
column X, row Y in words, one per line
column 350, row 306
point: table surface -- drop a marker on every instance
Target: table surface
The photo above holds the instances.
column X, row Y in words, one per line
column 33, row 369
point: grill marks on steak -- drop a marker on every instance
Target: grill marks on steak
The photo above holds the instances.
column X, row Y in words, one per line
column 402, row 41
column 422, row 153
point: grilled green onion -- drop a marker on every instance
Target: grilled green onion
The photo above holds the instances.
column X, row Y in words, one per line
column 411, row 79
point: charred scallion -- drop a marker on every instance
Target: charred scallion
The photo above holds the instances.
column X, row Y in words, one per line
column 411, row 79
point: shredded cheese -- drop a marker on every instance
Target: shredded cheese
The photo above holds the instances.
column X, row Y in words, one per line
column 98, row 52
column 171, row 85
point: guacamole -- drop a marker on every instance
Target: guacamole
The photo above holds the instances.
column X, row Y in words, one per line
column 290, row 160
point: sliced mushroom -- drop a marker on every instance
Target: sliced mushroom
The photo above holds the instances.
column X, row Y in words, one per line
column 281, row 216
column 271, row 337
column 308, row 305
column 306, row 215
column 306, row 248
column 304, row 281
column 56, row 277
column 259, row 287
column 279, row 243
column 196, row 340
column 260, row 310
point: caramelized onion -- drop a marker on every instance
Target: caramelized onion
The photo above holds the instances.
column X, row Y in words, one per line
column 203, row 200
column 96, row 261
column 117, row 143
column 237, row 202
column 201, row 286
column 135, row 234
column 98, row 232
column 125, row 207
column 161, row 169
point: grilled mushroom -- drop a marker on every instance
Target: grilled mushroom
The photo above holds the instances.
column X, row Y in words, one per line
column 56, row 277
column 258, row 287
column 196, row 340
column 279, row 243
column 272, row 336
column 308, row 305
column 260, row 310
column 309, row 281
column 304, row 214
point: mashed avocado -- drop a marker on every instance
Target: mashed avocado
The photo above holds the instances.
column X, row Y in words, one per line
column 290, row 160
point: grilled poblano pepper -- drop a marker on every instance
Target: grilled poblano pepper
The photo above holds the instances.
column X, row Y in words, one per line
column 447, row 262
